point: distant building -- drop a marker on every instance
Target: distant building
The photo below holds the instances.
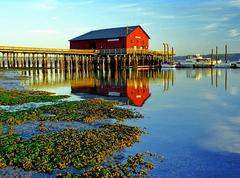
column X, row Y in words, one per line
column 113, row 38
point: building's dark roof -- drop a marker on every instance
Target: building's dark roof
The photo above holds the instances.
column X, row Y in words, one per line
column 107, row 33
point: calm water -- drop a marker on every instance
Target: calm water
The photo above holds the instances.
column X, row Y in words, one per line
column 192, row 116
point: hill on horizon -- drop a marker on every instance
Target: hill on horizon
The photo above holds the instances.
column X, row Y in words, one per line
column 230, row 57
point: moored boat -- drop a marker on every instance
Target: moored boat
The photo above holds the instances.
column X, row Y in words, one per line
column 235, row 64
column 168, row 65
column 198, row 61
column 222, row 65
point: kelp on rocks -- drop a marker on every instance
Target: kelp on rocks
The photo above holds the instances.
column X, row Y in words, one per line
column 86, row 110
column 71, row 147
column 13, row 97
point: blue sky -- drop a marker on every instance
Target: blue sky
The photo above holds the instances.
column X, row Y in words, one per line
column 190, row 26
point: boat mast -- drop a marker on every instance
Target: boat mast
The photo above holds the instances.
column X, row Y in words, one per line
column 226, row 53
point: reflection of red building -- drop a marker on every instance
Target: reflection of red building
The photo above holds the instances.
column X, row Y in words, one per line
column 137, row 90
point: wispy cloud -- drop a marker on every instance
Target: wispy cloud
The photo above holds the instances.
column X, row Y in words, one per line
column 235, row 3
column 234, row 33
column 46, row 4
column 207, row 33
column 134, row 8
column 223, row 136
column 147, row 24
column 166, row 17
column 208, row 9
column 44, row 32
column 126, row 6
column 147, row 13
column 210, row 27
column 226, row 17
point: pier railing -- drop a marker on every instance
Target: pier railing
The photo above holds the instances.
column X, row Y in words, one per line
column 13, row 49
column 135, row 51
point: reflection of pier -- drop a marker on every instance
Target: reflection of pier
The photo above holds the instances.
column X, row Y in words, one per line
column 214, row 74
column 131, row 86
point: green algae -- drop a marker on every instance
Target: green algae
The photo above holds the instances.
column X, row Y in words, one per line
column 86, row 111
column 14, row 97
column 136, row 166
column 71, row 147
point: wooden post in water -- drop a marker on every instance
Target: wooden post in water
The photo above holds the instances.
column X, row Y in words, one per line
column 65, row 62
column 216, row 54
column 212, row 58
column 34, row 60
column 21, row 59
column 168, row 57
column 56, row 61
column 8, row 60
column 108, row 62
column 133, row 61
column 24, row 60
column 90, row 63
column 137, row 59
column 46, row 61
column 172, row 54
column 29, row 60
column 51, row 61
column 226, row 79
column 226, row 51
column 17, row 60
column 14, row 60
column 164, row 52
column 124, row 61
column 73, row 62
column 43, row 61
column 83, row 62
column 129, row 60
column 38, row 60
column 2, row 62
column 61, row 58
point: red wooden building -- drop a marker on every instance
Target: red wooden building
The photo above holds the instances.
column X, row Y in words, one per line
column 113, row 38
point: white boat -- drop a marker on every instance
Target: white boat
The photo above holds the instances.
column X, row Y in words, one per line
column 188, row 63
column 238, row 64
column 222, row 65
column 235, row 64
column 168, row 65
column 198, row 61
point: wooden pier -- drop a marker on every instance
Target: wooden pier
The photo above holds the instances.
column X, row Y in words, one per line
column 54, row 58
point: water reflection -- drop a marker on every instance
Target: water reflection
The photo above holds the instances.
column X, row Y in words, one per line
column 215, row 74
column 128, row 86
column 192, row 115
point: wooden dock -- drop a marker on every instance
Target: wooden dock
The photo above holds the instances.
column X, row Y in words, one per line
column 27, row 57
